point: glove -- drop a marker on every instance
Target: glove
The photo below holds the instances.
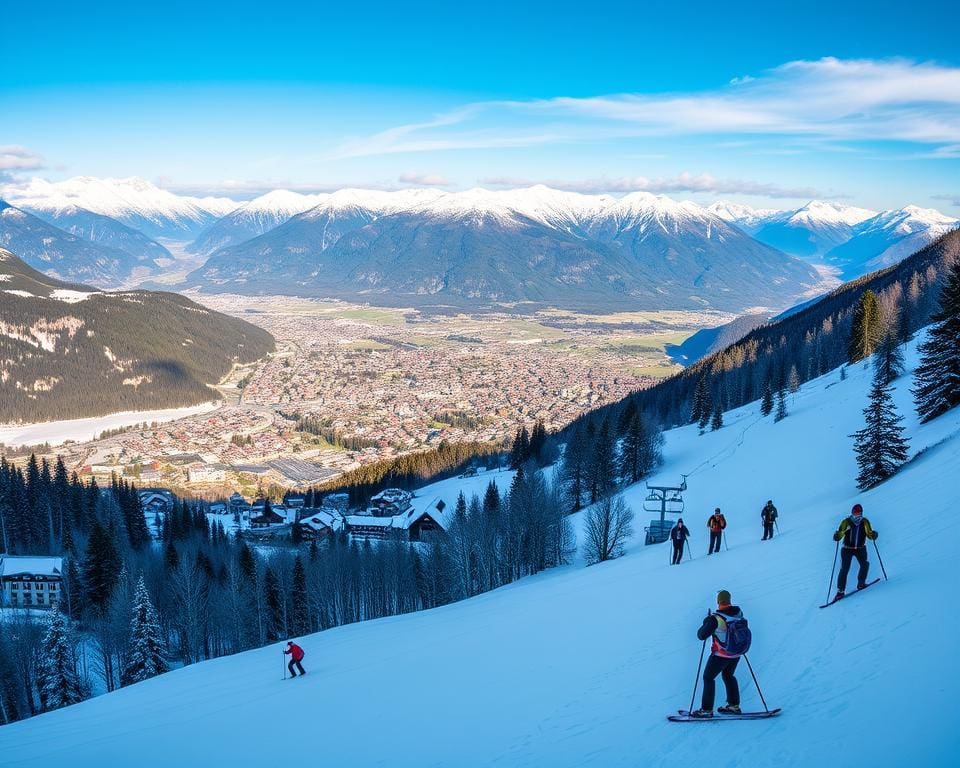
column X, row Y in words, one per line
column 837, row 536
column 873, row 535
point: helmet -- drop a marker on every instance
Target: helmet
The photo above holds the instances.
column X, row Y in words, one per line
column 857, row 509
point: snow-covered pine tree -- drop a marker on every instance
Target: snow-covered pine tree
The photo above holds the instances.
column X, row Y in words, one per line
column 57, row 676
column 880, row 446
column 716, row 420
column 937, row 377
column 781, row 413
column 145, row 649
column 793, row 379
column 866, row 329
column 766, row 399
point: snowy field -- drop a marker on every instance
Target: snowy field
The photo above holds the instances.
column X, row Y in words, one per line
column 58, row 432
column 579, row 666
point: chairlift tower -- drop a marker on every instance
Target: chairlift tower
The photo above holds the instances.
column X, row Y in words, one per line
column 663, row 499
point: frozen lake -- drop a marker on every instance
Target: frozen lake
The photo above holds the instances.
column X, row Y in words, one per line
column 57, row 432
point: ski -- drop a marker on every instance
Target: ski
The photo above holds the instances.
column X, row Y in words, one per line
column 849, row 594
column 683, row 716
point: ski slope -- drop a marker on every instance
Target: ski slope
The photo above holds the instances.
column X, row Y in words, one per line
column 580, row 666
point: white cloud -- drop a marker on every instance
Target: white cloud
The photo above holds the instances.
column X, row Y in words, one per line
column 952, row 199
column 424, row 179
column 15, row 158
column 683, row 182
column 828, row 99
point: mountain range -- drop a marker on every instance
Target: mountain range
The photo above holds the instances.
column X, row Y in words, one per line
column 68, row 350
column 430, row 247
column 423, row 247
column 852, row 240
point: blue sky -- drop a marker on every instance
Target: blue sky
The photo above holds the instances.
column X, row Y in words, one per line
column 763, row 103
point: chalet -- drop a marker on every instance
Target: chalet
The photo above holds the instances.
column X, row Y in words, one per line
column 30, row 582
column 390, row 503
column 261, row 516
column 156, row 499
column 411, row 525
column 320, row 522
column 295, row 500
column 237, row 505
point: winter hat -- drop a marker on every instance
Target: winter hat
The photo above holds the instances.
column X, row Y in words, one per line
column 857, row 510
column 723, row 597
column 717, row 511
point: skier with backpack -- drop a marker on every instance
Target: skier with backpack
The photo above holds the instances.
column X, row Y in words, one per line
column 768, row 515
column 716, row 524
column 296, row 656
column 854, row 532
column 678, row 535
column 731, row 639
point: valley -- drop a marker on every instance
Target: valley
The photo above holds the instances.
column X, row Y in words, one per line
column 350, row 384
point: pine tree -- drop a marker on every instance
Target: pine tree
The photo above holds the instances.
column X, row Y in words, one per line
column 793, row 380
column 145, row 650
column 101, row 568
column 57, row 670
column 716, row 421
column 781, row 413
column 888, row 359
column 843, row 373
column 699, row 401
column 937, row 377
column 707, row 406
column 520, row 451
column 766, row 400
column 866, row 328
column 880, row 446
column 298, row 597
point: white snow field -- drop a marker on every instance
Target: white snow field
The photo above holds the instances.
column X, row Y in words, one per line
column 579, row 666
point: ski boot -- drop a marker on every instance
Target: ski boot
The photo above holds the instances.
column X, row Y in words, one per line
column 729, row 709
column 840, row 593
column 702, row 714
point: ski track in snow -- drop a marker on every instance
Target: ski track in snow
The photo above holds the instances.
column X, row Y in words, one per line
column 580, row 666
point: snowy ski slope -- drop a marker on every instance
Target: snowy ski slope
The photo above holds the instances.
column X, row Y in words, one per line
column 579, row 666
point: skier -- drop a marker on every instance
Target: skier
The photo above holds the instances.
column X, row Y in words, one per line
column 769, row 516
column 716, row 524
column 678, row 535
column 721, row 662
column 296, row 656
column 854, row 531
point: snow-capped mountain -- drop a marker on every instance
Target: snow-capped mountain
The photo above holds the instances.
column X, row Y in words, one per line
column 536, row 244
column 253, row 218
column 132, row 201
column 888, row 238
column 104, row 230
column 60, row 253
column 810, row 231
column 743, row 216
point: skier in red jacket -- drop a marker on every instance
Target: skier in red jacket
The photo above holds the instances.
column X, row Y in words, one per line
column 296, row 656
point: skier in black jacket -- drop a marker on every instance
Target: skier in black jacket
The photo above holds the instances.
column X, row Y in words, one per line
column 720, row 662
column 678, row 535
column 769, row 516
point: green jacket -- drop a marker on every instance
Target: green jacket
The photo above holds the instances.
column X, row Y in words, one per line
column 855, row 535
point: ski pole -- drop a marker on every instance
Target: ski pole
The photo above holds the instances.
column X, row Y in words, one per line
column 833, row 570
column 696, row 680
column 777, row 525
column 725, row 544
column 689, row 550
column 880, row 560
column 750, row 667
column 283, row 659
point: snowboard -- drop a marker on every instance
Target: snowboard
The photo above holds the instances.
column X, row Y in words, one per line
column 683, row 716
column 850, row 594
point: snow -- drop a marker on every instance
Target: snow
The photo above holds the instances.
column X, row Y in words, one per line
column 579, row 666
column 23, row 294
column 57, row 432
column 71, row 296
column 817, row 213
column 15, row 565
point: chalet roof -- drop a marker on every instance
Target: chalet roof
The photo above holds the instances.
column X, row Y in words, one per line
column 322, row 518
column 16, row 565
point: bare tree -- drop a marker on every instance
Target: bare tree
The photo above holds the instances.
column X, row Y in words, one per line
column 609, row 525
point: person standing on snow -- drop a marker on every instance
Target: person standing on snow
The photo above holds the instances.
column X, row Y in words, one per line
column 678, row 535
column 716, row 524
column 854, row 531
column 721, row 661
column 296, row 656
column 769, row 516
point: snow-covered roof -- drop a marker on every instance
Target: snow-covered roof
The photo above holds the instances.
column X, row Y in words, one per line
column 17, row 565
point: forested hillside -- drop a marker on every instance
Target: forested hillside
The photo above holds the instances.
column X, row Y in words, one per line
column 69, row 351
